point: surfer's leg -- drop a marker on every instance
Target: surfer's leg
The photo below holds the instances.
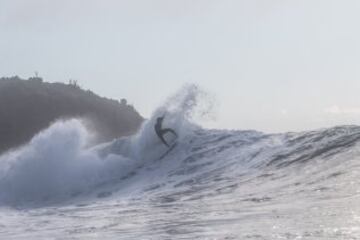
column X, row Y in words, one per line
column 163, row 140
column 168, row 130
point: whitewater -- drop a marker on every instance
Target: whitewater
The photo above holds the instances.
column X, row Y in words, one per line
column 215, row 184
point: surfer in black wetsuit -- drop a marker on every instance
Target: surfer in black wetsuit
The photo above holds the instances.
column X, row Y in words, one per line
column 160, row 132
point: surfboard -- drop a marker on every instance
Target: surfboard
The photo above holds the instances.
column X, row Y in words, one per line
column 168, row 150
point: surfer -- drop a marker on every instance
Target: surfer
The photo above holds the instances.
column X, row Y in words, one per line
column 160, row 132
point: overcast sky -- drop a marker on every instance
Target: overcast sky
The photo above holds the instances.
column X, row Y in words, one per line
column 274, row 66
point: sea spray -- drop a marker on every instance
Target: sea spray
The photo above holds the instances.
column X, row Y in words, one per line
column 182, row 110
column 56, row 164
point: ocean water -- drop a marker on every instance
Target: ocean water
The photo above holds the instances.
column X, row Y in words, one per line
column 215, row 184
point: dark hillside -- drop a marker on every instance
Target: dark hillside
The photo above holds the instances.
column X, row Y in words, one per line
column 28, row 106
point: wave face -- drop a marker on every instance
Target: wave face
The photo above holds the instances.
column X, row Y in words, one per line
column 214, row 184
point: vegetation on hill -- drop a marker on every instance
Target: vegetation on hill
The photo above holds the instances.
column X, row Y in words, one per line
column 29, row 106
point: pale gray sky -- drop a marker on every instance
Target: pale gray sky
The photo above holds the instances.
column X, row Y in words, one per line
column 278, row 65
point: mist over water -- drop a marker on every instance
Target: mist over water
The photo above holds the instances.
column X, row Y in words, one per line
column 214, row 184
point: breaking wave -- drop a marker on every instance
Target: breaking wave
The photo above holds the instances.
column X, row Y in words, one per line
column 57, row 164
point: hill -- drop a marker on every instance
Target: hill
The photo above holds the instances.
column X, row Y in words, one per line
column 28, row 106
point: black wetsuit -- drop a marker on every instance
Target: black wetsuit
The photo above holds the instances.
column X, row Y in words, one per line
column 161, row 132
